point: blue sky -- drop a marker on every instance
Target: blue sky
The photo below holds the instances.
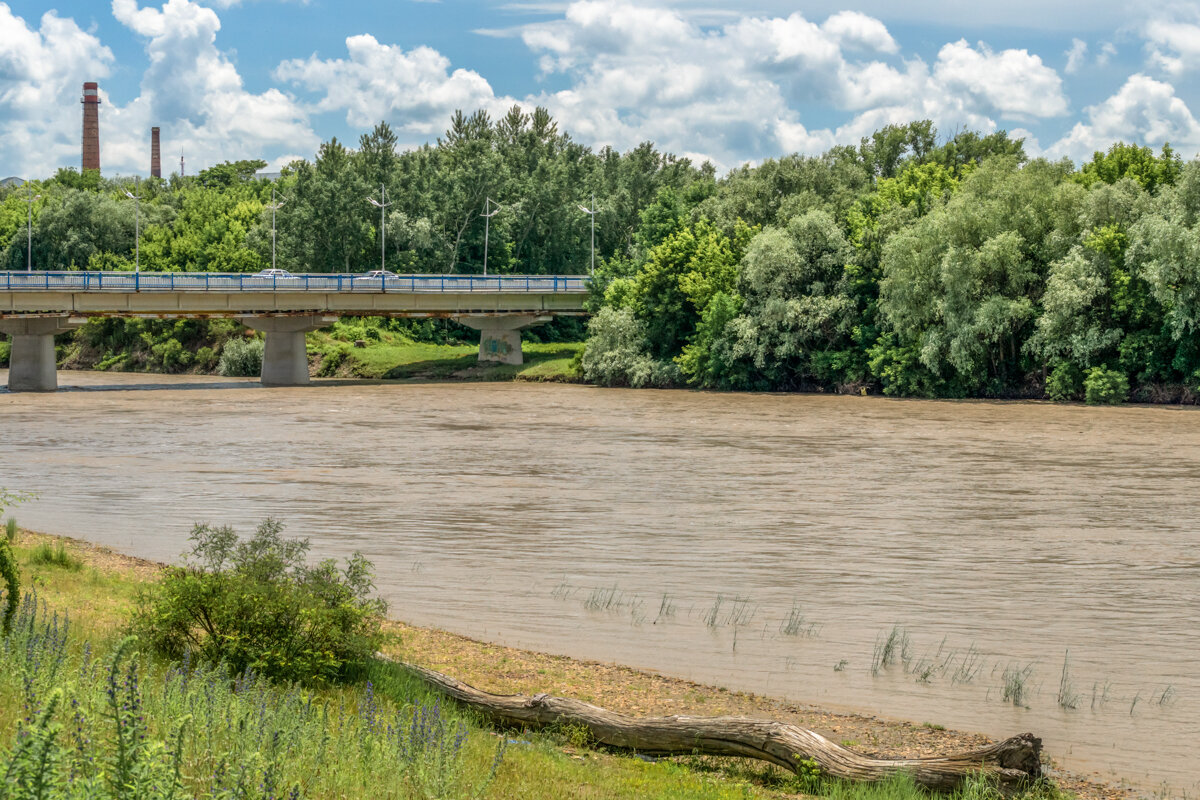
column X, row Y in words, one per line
column 729, row 82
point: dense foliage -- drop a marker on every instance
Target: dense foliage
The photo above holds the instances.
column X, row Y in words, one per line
column 256, row 604
column 911, row 264
column 954, row 270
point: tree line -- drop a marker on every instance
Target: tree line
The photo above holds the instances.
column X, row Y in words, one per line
column 909, row 264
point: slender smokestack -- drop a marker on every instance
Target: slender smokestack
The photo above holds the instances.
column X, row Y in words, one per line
column 155, row 163
column 91, row 126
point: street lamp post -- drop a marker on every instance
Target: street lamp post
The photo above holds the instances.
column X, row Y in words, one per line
column 382, row 205
column 487, row 226
column 137, row 226
column 591, row 212
column 274, row 207
column 29, row 229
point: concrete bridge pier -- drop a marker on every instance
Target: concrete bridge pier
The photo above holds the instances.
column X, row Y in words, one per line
column 285, row 357
column 500, row 337
column 31, row 363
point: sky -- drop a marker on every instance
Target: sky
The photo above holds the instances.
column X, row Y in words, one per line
column 729, row 82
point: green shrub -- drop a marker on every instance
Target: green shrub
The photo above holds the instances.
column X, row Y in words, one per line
column 5, row 350
column 1105, row 387
column 1065, row 382
column 171, row 355
column 57, row 555
column 257, row 605
column 241, row 358
column 332, row 361
column 205, row 359
column 11, row 575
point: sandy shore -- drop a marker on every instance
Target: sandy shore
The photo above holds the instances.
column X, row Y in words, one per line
column 500, row 669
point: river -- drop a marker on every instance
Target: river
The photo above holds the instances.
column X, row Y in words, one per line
column 763, row 542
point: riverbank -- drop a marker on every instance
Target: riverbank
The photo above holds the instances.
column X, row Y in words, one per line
column 392, row 357
column 100, row 589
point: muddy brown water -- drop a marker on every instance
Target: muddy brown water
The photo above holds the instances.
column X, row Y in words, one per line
column 606, row 524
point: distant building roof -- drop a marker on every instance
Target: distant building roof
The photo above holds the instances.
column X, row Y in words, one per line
column 14, row 181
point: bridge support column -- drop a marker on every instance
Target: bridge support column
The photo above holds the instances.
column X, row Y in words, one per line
column 31, row 365
column 500, row 337
column 285, row 358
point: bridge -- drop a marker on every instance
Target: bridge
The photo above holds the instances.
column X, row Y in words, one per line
column 34, row 306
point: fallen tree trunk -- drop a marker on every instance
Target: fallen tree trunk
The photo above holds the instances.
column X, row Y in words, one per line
column 1012, row 762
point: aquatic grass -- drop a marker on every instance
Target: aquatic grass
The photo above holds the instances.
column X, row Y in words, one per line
column 55, row 555
column 563, row 590
column 890, row 649
column 1166, row 697
column 1067, row 698
column 1101, row 694
column 796, row 624
column 930, row 666
column 666, row 608
column 604, row 599
column 10, row 530
column 730, row 611
column 969, row 666
column 1016, row 684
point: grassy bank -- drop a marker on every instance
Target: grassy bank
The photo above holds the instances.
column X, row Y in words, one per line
column 351, row 348
column 387, row 355
column 385, row 736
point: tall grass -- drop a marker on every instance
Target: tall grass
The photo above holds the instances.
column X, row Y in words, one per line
column 10, row 530
column 890, row 649
column 1016, row 684
column 796, row 624
column 55, row 555
column 123, row 726
column 735, row 611
column 1068, row 698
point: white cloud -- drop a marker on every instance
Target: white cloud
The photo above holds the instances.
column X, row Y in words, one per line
column 742, row 89
column 415, row 91
column 1013, row 82
column 1076, row 56
column 41, row 78
column 1097, row 15
column 194, row 92
column 1144, row 111
column 851, row 28
column 1174, row 45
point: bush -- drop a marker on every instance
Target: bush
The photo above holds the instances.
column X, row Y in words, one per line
column 5, row 351
column 1105, row 387
column 171, row 355
column 257, row 605
column 206, row 359
column 616, row 356
column 1065, row 382
column 241, row 358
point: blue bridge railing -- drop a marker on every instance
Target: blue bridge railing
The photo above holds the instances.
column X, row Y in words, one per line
column 243, row 282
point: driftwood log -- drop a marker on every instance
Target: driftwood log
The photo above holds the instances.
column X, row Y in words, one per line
column 1011, row 763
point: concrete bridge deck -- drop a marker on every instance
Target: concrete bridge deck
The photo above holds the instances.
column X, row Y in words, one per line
column 34, row 306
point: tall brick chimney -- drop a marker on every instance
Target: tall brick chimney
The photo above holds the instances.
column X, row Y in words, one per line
column 91, row 126
column 155, row 162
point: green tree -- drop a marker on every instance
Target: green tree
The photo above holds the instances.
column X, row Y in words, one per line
column 1130, row 161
